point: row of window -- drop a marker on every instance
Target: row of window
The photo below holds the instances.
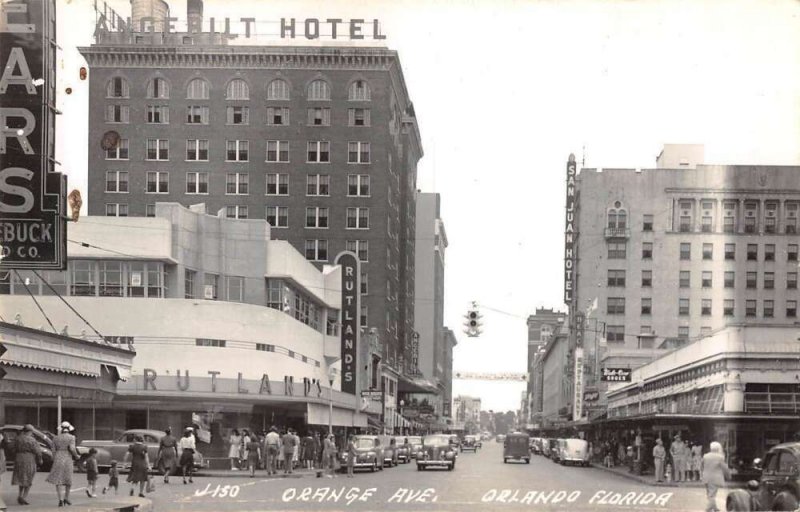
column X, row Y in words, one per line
column 616, row 306
column 197, row 150
column 618, row 250
column 617, row 278
column 277, row 184
column 238, row 89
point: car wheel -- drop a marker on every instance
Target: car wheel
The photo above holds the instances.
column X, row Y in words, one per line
column 738, row 500
column 785, row 501
column 419, row 467
column 374, row 468
column 451, row 467
column 505, row 460
column 527, row 461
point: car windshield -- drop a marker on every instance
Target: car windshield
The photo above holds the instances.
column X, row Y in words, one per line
column 400, row 440
column 415, row 440
column 436, row 440
column 364, row 442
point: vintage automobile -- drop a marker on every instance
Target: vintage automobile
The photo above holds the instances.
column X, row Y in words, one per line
column 779, row 485
column 555, row 449
column 116, row 450
column 389, row 445
column 455, row 442
column 10, row 433
column 573, row 451
column 369, row 453
column 403, row 449
column 471, row 443
column 536, row 445
column 436, row 451
column 416, row 443
column 517, row 447
column 500, row 438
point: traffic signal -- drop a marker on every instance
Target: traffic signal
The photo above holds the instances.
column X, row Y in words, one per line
column 473, row 323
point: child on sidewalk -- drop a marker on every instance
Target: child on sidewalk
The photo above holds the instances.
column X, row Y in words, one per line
column 91, row 473
column 113, row 478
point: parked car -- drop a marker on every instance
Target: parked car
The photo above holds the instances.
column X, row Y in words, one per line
column 416, row 443
column 500, row 438
column 369, row 453
column 471, row 443
column 779, row 485
column 389, row 445
column 455, row 441
column 536, row 445
column 116, row 450
column 436, row 451
column 574, row 451
column 403, row 449
column 555, row 449
column 10, row 433
column 517, row 447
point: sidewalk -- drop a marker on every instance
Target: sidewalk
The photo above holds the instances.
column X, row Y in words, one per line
column 133, row 504
column 651, row 479
column 260, row 473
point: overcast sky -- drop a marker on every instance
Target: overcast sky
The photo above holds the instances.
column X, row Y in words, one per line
column 504, row 90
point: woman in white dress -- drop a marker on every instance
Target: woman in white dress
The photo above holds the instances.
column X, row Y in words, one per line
column 234, row 451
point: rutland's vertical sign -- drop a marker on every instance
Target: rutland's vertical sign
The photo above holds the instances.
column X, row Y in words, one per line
column 350, row 320
column 569, row 234
column 577, row 398
column 32, row 195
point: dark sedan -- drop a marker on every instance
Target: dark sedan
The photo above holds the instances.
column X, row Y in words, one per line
column 10, row 433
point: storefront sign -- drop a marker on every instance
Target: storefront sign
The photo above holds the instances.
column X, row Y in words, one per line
column 350, row 319
column 577, row 399
column 616, row 374
column 570, row 232
column 591, row 396
column 183, row 381
column 32, row 196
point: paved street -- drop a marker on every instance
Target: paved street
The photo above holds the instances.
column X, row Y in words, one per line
column 479, row 482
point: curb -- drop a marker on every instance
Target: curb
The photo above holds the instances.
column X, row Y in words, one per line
column 259, row 474
column 114, row 505
column 645, row 480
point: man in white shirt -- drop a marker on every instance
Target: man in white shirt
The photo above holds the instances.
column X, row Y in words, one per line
column 272, row 444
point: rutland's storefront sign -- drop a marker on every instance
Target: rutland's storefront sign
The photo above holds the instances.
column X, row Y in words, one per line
column 350, row 311
column 32, row 196
column 570, row 233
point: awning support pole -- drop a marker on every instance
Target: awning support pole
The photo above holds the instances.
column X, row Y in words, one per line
column 59, row 413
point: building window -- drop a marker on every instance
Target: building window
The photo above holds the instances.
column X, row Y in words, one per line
column 358, row 117
column 265, row 347
column 116, row 209
column 730, row 252
column 684, row 279
column 117, row 87
column 235, row 288
column 705, row 307
column 316, row 250
column 237, row 90
column 358, row 218
column 188, row 283
column 210, row 286
column 729, row 216
column 616, row 250
column 316, row 217
column 617, row 219
column 791, row 280
column 197, row 183
column 319, row 90
column 363, row 320
column 727, row 307
column 197, row 89
column 769, row 308
column 236, row 183
column 750, row 308
column 237, row 115
column 791, row 308
column 118, row 114
column 705, row 279
column 358, row 152
column 82, row 278
column 237, row 150
column 196, row 114
column 236, row 212
column 647, row 306
column 616, row 278
column 683, row 307
column 729, row 224
column 706, row 224
column 615, row 306
column 150, row 210
column 708, row 251
column 647, row 222
column 278, row 116
column 278, row 90
column 647, row 250
column 158, row 88
column 686, row 251
column 752, row 252
column 770, row 217
column 158, row 114
column 769, row 252
column 751, row 280
column 647, row 278
column 318, row 185
column 319, row 152
column 157, row 182
column 208, row 342
column 730, row 279
column 197, row 150
column 791, row 252
column 277, row 184
column 157, row 149
column 278, row 151
column 790, row 222
column 364, row 283
column 278, row 216
column 319, row 116
column 120, row 152
column 358, row 91
column 117, row 181
column 358, row 185
column 615, row 334
column 683, row 332
column 769, row 280
column 750, row 215
column 360, row 248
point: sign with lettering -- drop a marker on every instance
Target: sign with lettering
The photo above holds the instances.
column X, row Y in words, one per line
column 577, row 398
column 616, row 374
column 32, row 196
column 350, row 319
column 591, row 396
column 570, row 232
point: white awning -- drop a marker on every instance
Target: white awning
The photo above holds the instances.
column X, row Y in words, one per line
column 319, row 414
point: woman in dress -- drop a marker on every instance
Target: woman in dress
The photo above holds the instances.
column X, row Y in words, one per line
column 309, row 451
column 243, row 449
column 235, row 441
column 64, row 457
column 167, row 454
column 28, row 456
column 140, row 465
column 187, row 448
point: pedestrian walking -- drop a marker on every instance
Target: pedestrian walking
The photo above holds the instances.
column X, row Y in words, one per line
column 351, row 456
column 140, row 465
column 676, row 452
column 113, row 478
column 715, row 472
column 296, row 451
column 659, row 455
column 235, row 441
column 28, row 457
column 272, row 443
column 253, row 454
column 64, row 456
column 317, row 450
column 167, row 458
column 91, row 473
column 289, row 444
column 243, row 445
column 697, row 460
column 187, row 447
column 329, row 455
column 3, row 446
column 308, row 451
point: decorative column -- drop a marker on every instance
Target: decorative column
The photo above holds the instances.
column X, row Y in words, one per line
column 733, row 399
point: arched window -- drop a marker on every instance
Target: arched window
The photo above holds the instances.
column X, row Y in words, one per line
column 117, row 88
column 197, row 89
column 617, row 217
column 359, row 91
column 278, row 90
column 237, row 90
column 157, row 88
column 319, row 90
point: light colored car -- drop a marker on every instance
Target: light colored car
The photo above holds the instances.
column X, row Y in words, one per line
column 416, row 444
column 403, row 449
column 389, row 444
column 436, row 451
column 369, row 453
column 573, row 451
column 471, row 443
column 116, row 450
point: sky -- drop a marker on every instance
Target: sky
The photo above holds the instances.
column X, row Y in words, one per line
column 504, row 91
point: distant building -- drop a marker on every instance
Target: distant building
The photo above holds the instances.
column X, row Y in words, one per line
column 541, row 326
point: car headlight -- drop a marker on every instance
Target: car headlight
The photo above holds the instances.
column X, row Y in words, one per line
column 449, row 454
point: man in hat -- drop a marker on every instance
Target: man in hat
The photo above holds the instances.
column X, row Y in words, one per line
column 659, row 454
column 272, row 443
column 676, row 451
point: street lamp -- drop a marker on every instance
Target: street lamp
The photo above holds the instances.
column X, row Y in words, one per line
column 331, row 378
column 402, row 420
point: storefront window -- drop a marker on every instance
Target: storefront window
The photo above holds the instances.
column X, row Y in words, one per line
column 136, row 278
column 111, row 279
column 83, row 278
column 154, row 280
column 56, row 279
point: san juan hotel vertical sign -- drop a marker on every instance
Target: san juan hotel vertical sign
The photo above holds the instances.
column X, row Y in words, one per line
column 350, row 320
column 32, row 205
column 570, row 287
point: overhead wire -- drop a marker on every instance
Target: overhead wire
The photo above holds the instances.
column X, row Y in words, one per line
column 43, row 280
column 25, row 284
